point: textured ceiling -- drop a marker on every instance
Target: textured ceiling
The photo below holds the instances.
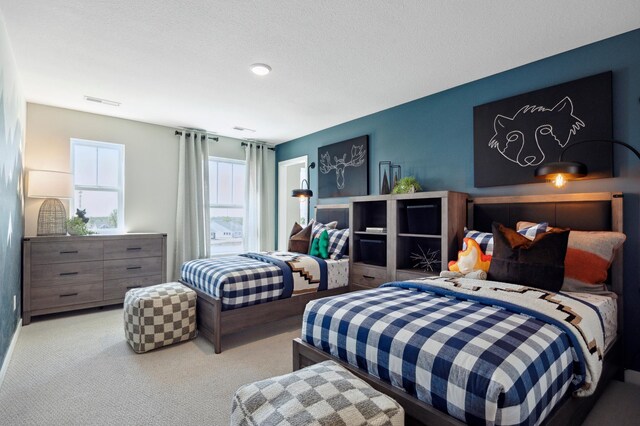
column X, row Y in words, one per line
column 185, row 62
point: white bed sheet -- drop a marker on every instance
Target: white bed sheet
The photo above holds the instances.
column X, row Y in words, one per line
column 337, row 273
column 608, row 308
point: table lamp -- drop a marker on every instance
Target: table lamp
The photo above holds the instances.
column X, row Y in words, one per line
column 50, row 185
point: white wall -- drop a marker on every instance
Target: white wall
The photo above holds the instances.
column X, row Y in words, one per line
column 293, row 204
column 151, row 163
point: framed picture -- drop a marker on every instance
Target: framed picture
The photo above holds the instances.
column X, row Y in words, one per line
column 344, row 168
column 513, row 136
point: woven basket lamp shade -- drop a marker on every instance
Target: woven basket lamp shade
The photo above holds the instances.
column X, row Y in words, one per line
column 52, row 217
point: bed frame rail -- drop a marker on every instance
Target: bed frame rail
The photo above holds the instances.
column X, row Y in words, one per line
column 213, row 322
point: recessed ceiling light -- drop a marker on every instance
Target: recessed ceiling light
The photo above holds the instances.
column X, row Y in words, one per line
column 260, row 69
column 101, row 101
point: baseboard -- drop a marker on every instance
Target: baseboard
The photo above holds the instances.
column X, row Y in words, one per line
column 632, row 376
column 7, row 358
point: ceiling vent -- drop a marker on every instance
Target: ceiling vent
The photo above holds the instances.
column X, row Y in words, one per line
column 243, row 129
column 101, row 101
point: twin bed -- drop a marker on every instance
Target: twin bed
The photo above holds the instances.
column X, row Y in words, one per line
column 239, row 292
column 454, row 351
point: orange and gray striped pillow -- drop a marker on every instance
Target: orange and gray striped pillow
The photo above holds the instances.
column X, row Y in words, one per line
column 589, row 256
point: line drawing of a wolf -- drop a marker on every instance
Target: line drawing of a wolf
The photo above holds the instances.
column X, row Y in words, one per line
column 555, row 125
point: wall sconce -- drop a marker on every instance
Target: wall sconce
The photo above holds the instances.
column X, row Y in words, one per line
column 560, row 172
column 303, row 193
column 52, row 217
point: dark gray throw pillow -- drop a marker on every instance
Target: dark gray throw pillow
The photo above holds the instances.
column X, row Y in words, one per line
column 538, row 263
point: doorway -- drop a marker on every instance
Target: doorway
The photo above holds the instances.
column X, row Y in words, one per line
column 290, row 209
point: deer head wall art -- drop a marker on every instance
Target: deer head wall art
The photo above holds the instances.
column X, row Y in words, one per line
column 344, row 169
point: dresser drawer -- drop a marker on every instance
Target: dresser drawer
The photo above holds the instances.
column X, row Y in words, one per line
column 65, row 273
column 64, row 295
column 43, row 253
column 116, row 289
column 127, row 268
column 129, row 248
column 368, row 276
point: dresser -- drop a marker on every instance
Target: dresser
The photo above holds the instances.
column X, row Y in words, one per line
column 68, row 273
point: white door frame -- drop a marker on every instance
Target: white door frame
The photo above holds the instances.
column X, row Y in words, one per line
column 283, row 196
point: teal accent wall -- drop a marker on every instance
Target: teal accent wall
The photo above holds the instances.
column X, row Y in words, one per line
column 12, row 119
column 432, row 138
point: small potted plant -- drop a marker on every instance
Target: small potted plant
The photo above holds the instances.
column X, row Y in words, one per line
column 407, row 185
column 77, row 225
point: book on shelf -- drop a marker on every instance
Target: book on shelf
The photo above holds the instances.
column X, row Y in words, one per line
column 378, row 229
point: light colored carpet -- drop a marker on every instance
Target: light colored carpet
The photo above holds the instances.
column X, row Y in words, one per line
column 78, row 370
column 619, row 405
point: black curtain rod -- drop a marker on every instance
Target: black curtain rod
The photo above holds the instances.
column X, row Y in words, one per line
column 213, row 138
column 261, row 146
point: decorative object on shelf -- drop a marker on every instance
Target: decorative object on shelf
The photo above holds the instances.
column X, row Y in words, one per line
column 305, row 193
column 515, row 135
column 396, row 172
column 426, row 261
column 376, row 229
column 51, row 186
column 77, row 225
column 389, row 175
column 384, row 173
column 344, row 168
column 407, row 185
column 560, row 172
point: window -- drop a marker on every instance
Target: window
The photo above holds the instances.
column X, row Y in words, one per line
column 98, row 181
column 226, row 198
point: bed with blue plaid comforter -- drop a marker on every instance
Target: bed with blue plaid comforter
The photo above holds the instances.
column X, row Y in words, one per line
column 254, row 278
column 479, row 358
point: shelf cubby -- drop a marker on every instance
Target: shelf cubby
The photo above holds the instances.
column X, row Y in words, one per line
column 424, row 220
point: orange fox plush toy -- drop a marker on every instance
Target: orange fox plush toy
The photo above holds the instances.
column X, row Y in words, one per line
column 471, row 259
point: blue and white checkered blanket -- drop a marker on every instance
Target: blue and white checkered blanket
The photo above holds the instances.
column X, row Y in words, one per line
column 479, row 359
column 253, row 278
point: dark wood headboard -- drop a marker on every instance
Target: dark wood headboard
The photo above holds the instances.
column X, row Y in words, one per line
column 598, row 211
column 326, row 213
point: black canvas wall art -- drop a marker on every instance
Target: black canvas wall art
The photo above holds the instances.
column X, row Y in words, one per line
column 344, row 168
column 515, row 135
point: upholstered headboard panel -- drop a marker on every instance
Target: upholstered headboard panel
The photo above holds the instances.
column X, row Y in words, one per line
column 579, row 215
column 600, row 211
column 330, row 212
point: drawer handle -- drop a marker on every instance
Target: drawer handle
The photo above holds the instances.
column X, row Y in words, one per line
column 129, row 268
column 69, row 252
column 62, row 274
column 369, row 277
column 132, row 286
column 133, row 248
column 68, row 294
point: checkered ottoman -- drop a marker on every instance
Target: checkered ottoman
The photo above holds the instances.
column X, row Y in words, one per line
column 322, row 394
column 159, row 315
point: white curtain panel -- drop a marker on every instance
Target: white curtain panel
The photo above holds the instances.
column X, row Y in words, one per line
column 192, row 221
column 259, row 201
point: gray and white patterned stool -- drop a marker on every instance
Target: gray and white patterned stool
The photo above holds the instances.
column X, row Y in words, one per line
column 322, row 394
column 159, row 315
